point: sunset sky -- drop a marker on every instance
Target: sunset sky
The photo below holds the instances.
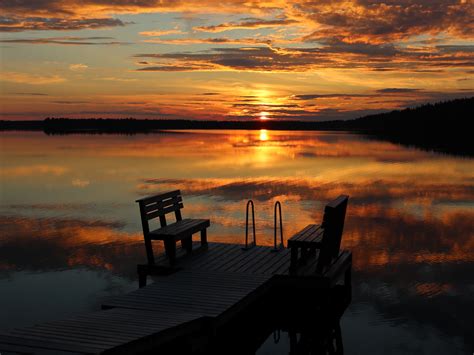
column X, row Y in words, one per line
column 234, row 59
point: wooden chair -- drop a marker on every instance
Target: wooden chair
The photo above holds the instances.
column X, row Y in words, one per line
column 325, row 237
column 158, row 206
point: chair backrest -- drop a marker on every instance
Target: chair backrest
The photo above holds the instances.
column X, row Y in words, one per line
column 333, row 226
column 158, row 206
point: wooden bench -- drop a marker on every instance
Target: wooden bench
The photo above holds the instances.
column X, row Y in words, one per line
column 325, row 237
column 158, row 206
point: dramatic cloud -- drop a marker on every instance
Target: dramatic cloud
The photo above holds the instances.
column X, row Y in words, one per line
column 385, row 21
column 15, row 24
column 251, row 23
column 320, row 96
column 351, row 20
column 455, row 49
column 69, row 41
column 380, row 50
column 370, row 57
column 396, row 90
column 245, row 58
column 219, row 40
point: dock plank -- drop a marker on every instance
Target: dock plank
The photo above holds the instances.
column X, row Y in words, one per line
column 229, row 254
column 98, row 331
column 222, row 251
column 282, row 258
column 209, row 293
column 253, row 265
column 258, row 253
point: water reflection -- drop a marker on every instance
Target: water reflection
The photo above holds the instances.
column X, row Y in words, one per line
column 67, row 206
column 42, row 244
column 302, row 321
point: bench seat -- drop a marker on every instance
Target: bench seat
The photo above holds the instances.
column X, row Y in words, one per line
column 311, row 235
column 180, row 229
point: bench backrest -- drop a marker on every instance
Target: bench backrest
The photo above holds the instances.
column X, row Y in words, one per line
column 158, row 206
column 333, row 226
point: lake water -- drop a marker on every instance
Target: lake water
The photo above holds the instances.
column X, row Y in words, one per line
column 70, row 232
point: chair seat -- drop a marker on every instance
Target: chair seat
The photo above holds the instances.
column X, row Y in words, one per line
column 180, row 229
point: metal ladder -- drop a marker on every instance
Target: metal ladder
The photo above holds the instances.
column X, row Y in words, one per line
column 276, row 247
column 279, row 246
column 254, row 243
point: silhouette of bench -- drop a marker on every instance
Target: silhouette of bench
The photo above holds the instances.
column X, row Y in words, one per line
column 159, row 206
column 325, row 237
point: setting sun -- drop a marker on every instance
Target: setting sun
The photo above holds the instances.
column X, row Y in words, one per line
column 264, row 116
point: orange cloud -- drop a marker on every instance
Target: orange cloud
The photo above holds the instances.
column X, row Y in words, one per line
column 249, row 24
column 349, row 20
column 220, row 40
column 32, row 79
column 159, row 33
column 371, row 57
column 17, row 24
column 67, row 40
column 31, row 170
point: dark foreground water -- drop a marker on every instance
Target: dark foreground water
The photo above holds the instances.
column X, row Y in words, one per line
column 70, row 233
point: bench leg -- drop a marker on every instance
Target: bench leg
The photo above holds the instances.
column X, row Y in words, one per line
column 187, row 244
column 170, row 249
column 294, row 259
column 348, row 277
column 149, row 251
column 204, row 237
column 304, row 255
column 142, row 279
column 142, row 271
column 293, row 342
column 338, row 335
column 348, row 282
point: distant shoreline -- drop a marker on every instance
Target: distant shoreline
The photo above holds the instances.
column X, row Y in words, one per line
column 442, row 127
column 132, row 126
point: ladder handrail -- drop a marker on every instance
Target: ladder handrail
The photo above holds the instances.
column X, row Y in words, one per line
column 280, row 246
column 254, row 243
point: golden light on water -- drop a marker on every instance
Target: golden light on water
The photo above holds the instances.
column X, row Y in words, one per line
column 263, row 135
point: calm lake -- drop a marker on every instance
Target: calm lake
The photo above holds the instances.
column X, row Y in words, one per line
column 70, row 233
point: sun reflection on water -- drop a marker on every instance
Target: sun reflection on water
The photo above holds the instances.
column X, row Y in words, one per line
column 263, row 135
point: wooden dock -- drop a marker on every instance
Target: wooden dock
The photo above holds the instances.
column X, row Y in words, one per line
column 97, row 332
column 213, row 286
column 201, row 288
